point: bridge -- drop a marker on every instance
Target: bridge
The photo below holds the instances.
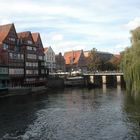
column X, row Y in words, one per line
column 99, row 78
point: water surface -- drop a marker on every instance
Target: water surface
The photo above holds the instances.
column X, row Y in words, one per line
column 71, row 114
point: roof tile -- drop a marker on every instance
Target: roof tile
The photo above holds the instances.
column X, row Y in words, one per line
column 72, row 57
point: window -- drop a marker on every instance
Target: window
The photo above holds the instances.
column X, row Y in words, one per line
column 12, row 39
column 30, row 42
column 30, row 64
column 3, row 70
column 5, row 46
column 27, row 64
column 35, row 71
column 18, row 56
column 40, row 57
column 28, row 71
column 31, row 56
column 16, row 71
column 14, row 56
column 22, row 56
column 42, row 71
column 34, row 48
column 42, row 63
column 11, row 55
column 29, row 48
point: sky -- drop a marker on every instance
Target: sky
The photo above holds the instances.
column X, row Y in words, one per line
column 75, row 24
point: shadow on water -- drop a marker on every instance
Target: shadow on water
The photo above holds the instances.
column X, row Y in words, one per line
column 17, row 112
column 131, row 109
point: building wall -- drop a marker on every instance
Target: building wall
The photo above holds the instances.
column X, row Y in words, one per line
column 40, row 54
column 75, row 61
column 12, row 56
column 18, row 55
column 50, row 60
column 60, row 63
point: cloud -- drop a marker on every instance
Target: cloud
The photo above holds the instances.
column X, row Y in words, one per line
column 68, row 45
column 67, row 25
column 120, row 46
column 57, row 37
column 5, row 21
column 133, row 23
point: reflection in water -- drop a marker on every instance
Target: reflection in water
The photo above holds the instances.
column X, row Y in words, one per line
column 118, row 89
column 104, row 88
column 71, row 114
column 132, row 116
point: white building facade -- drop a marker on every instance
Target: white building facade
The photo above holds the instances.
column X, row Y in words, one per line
column 50, row 59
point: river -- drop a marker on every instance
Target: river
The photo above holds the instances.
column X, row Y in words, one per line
column 71, row 114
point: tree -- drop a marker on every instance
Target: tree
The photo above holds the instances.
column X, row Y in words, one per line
column 93, row 61
column 115, row 62
column 131, row 63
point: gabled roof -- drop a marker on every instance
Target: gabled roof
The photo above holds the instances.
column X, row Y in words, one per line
column 72, row 57
column 24, row 34
column 4, row 30
column 37, row 39
column 48, row 49
column 35, row 36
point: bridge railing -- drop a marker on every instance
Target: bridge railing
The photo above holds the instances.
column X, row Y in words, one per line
column 104, row 73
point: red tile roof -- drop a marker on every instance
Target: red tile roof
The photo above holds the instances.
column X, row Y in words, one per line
column 24, row 34
column 37, row 39
column 72, row 57
column 35, row 36
column 4, row 30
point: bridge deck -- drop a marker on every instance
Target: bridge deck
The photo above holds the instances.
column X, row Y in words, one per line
column 92, row 74
column 104, row 73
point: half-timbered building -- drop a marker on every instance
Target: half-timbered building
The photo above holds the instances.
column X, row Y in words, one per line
column 29, row 49
column 11, row 55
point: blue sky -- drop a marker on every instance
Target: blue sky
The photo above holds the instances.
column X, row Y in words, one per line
column 75, row 24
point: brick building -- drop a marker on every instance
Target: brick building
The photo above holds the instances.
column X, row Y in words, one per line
column 11, row 55
column 75, row 61
column 21, row 58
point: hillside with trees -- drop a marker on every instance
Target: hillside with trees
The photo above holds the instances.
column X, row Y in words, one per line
column 101, row 61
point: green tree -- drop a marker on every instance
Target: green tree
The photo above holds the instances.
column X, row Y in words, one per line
column 131, row 63
column 93, row 61
column 115, row 62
